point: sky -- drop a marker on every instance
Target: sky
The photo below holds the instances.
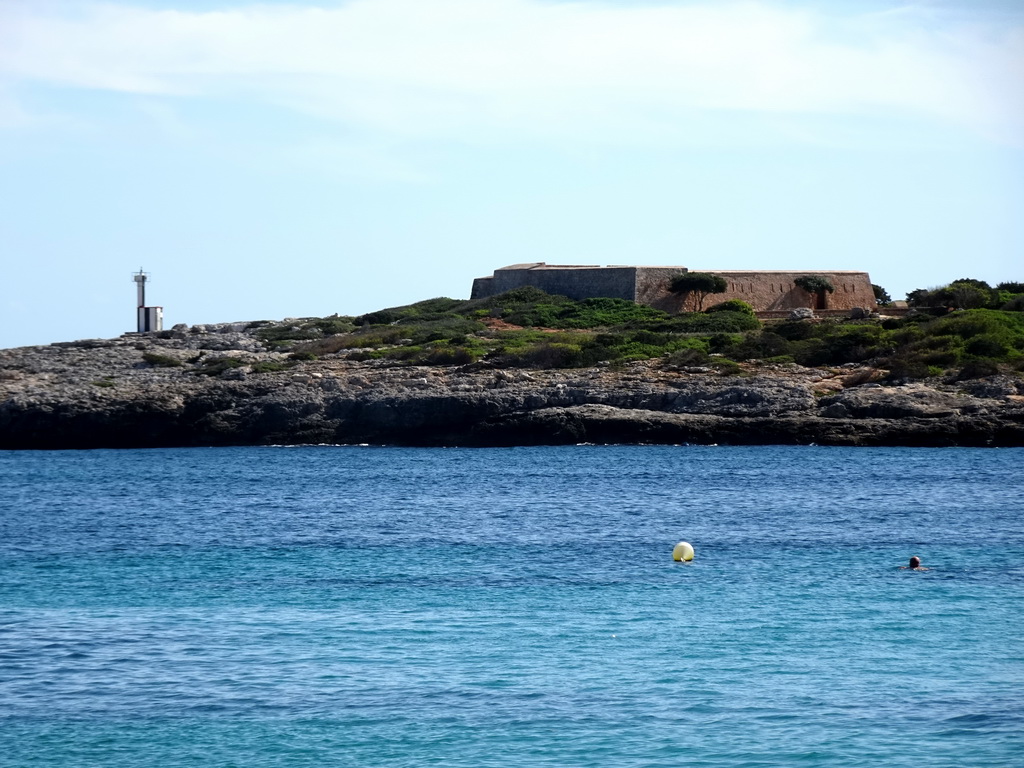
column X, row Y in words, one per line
column 293, row 159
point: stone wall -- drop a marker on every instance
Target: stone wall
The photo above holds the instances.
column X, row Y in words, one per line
column 576, row 282
column 763, row 290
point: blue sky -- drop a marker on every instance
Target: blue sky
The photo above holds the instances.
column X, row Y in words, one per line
column 287, row 159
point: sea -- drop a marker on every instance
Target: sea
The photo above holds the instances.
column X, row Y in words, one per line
column 406, row 607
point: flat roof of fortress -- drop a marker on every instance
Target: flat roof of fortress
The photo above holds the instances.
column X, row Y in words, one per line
column 544, row 265
column 534, row 265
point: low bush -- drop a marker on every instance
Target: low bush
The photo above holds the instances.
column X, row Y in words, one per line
column 329, row 326
column 977, row 369
column 759, row 346
column 689, row 357
column 280, row 335
column 217, row 366
column 723, row 342
column 988, row 345
column 732, row 305
column 161, row 361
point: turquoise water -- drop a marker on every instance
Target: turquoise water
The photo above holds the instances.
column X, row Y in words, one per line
column 344, row 606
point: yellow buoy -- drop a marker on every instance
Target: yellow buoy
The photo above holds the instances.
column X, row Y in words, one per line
column 682, row 552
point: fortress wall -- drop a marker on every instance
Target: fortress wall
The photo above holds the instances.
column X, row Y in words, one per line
column 775, row 290
column 763, row 290
column 482, row 288
column 652, row 288
column 582, row 282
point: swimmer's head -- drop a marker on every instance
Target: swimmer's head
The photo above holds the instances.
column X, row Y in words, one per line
column 915, row 562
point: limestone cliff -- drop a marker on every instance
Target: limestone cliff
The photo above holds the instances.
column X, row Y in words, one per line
column 219, row 385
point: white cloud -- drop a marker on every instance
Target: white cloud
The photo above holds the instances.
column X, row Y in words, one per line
column 485, row 70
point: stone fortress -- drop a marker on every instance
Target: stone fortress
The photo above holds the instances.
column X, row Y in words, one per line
column 765, row 291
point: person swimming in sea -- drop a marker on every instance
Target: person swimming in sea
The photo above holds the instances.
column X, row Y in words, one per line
column 915, row 565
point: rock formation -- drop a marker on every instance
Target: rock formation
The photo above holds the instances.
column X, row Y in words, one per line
column 221, row 385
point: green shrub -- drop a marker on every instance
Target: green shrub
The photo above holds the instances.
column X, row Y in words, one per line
column 219, row 365
column 722, row 342
column 161, row 361
column 988, row 345
column 281, row 335
column 980, row 321
column 1015, row 304
column 965, row 293
column 332, row 325
column 373, row 336
column 689, row 357
column 977, row 369
column 547, row 355
column 811, row 352
column 759, row 346
column 448, row 356
column 727, row 367
column 848, row 343
column 732, row 305
column 793, row 330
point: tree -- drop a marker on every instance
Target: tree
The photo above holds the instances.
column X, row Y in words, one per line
column 976, row 283
column 817, row 286
column 968, row 294
column 923, row 297
column 699, row 285
column 882, row 297
column 960, row 294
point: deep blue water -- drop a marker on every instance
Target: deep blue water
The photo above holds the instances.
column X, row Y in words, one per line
column 344, row 606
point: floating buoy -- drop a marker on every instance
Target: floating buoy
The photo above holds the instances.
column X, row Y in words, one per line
column 682, row 552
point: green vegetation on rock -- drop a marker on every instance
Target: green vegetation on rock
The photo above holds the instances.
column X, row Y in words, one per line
column 161, row 361
column 967, row 293
column 962, row 343
column 528, row 328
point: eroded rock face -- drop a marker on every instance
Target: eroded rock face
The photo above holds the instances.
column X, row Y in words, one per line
column 219, row 385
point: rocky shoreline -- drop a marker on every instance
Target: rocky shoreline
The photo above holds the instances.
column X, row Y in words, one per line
column 221, row 385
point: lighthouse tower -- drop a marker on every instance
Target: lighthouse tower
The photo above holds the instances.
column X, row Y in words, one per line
column 148, row 318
